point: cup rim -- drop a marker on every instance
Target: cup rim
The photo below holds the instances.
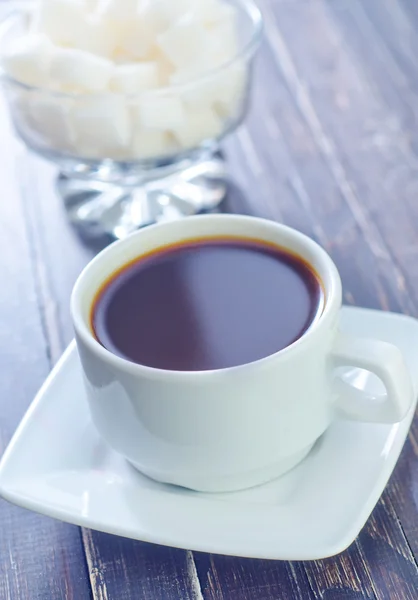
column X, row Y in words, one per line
column 247, row 51
column 332, row 304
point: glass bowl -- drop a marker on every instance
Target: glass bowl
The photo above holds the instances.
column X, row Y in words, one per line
column 116, row 174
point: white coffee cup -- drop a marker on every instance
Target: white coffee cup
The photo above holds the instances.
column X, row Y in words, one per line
column 238, row 427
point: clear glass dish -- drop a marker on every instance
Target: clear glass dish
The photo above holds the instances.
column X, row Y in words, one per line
column 115, row 176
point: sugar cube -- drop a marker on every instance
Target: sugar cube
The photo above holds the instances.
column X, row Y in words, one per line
column 91, row 5
column 135, row 78
column 49, row 120
column 159, row 14
column 191, row 73
column 201, row 124
column 28, row 59
column 210, row 11
column 217, row 11
column 152, row 20
column 164, row 111
column 200, row 91
column 137, row 39
column 78, row 70
column 151, row 143
column 165, row 70
column 119, row 9
column 229, row 90
column 99, row 36
column 221, row 43
column 61, row 20
column 184, row 42
column 224, row 89
column 19, row 99
column 173, row 10
column 101, row 125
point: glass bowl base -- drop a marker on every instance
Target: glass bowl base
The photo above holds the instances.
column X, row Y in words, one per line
column 98, row 209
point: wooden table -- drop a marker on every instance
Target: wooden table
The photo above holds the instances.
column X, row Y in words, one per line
column 330, row 148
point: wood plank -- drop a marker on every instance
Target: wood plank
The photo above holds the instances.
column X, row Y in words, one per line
column 306, row 195
column 334, row 96
column 229, row 578
column 123, row 569
column 410, row 9
column 392, row 90
column 387, row 556
column 61, row 255
column 39, row 557
column 383, row 33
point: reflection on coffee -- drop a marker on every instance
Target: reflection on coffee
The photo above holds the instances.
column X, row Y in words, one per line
column 207, row 304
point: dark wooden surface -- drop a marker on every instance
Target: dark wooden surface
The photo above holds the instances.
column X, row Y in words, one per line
column 331, row 148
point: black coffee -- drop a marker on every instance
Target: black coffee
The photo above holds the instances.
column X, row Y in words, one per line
column 207, row 304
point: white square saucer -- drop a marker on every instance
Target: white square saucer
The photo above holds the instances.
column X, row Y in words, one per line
column 58, row 465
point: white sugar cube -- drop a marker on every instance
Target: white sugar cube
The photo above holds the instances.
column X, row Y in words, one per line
column 201, row 124
column 80, row 70
column 175, row 9
column 112, row 37
column 187, row 74
column 211, row 11
column 159, row 14
column 184, row 42
column 61, row 20
column 160, row 111
column 229, row 89
column 224, row 89
column 49, row 118
column 165, row 70
column 220, row 11
column 119, row 9
column 28, row 60
column 152, row 20
column 20, row 102
column 99, row 36
column 151, row 143
column 135, row 78
column 221, row 43
column 101, row 125
column 137, row 39
column 201, row 91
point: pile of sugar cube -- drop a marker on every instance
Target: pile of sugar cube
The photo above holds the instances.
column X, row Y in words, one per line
column 126, row 79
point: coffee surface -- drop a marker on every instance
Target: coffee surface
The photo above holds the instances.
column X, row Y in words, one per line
column 207, row 304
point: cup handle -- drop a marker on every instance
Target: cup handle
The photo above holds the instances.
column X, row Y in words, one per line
column 385, row 361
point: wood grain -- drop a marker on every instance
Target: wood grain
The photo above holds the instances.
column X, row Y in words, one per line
column 123, row 569
column 392, row 31
column 229, row 578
